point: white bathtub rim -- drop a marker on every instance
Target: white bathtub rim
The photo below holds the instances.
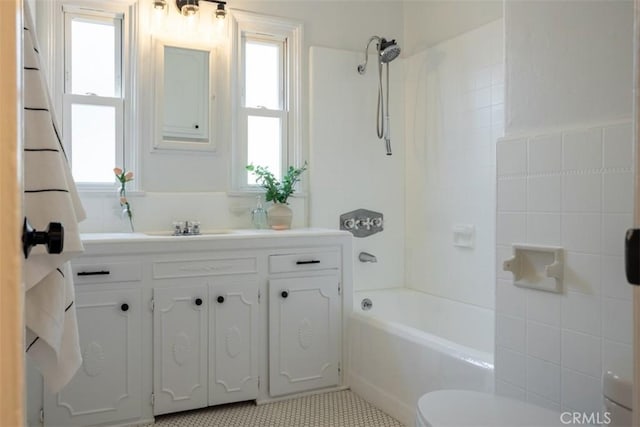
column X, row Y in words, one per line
column 458, row 351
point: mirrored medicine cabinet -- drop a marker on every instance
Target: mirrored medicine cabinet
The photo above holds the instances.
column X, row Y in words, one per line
column 184, row 96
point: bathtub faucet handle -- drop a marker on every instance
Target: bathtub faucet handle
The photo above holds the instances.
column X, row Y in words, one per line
column 367, row 257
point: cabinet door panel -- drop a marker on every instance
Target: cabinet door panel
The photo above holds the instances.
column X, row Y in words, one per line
column 180, row 348
column 233, row 341
column 304, row 334
column 107, row 386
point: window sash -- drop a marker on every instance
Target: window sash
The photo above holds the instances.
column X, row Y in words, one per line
column 244, row 137
column 244, row 112
column 69, row 101
column 114, row 19
column 281, row 44
column 288, row 34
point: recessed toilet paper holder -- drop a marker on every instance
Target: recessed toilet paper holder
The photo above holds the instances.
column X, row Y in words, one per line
column 536, row 267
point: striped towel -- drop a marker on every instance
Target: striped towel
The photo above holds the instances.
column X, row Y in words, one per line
column 50, row 195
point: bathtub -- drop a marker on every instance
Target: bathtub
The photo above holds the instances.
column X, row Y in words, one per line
column 410, row 343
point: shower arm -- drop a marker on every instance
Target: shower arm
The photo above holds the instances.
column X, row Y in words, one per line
column 362, row 68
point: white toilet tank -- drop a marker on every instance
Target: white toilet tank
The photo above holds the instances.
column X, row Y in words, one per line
column 617, row 397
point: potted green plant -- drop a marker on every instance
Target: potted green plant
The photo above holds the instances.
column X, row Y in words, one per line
column 280, row 215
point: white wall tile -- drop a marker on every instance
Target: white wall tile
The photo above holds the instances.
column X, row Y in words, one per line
column 617, row 320
column 509, row 390
column 582, row 193
column 543, row 378
column 582, row 150
column 617, row 358
column 512, row 157
column 543, row 342
column 510, row 366
column 579, row 186
column 618, row 146
column 510, row 299
column 580, row 392
column 545, row 154
column 582, row 273
column 581, row 353
column 510, row 332
column 614, row 229
column 617, row 192
column 497, row 74
column 544, row 229
column 544, row 193
column 613, row 279
column 512, row 195
column 581, row 232
column 581, row 312
column 544, row 307
column 512, row 228
column 538, row 400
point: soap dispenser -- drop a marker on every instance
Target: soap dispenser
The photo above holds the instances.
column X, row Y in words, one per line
column 259, row 216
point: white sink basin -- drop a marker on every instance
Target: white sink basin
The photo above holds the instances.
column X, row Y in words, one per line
column 202, row 233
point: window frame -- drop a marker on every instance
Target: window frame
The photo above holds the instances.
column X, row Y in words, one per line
column 52, row 25
column 247, row 25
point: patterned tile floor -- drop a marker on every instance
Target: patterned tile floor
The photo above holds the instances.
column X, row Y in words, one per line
column 335, row 409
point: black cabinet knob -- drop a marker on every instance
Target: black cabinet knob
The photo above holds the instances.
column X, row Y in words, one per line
column 124, row 307
column 220, row 299
column 52, row 237
column 198, row 301
column 284, row 294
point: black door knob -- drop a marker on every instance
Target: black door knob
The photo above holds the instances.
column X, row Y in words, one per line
column 220, row 299
column 198, row 301
column 284, row 294
column 124, row 307
column 53, row 238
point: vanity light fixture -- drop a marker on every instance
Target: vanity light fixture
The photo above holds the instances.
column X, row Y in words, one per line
column 191, row 7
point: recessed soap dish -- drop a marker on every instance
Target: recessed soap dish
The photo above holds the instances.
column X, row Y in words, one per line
column 536, row 267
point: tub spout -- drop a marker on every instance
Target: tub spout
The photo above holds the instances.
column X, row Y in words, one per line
column 367, row 257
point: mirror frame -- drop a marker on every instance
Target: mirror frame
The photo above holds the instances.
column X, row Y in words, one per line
column 160, row 141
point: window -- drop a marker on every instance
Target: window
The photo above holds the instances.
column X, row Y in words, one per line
column 267, row 91
column 94, row 93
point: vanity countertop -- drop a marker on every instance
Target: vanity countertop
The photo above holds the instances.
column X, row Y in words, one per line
column 229, row 234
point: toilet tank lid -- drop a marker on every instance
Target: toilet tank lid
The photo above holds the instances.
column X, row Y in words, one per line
column 617, row 389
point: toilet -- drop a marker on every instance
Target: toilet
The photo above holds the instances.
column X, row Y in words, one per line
column 471, row 408
column 617, row 397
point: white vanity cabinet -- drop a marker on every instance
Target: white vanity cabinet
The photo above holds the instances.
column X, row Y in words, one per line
column 169, row 324
column 107, row 387
column 233, row 339
column 180, row 334
column 305, row 326
column 205, row 328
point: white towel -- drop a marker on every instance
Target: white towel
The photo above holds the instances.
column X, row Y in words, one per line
column 50, row 195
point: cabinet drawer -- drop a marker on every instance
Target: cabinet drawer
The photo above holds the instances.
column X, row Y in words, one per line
column 304, row 261
column 108, row 272
column 203, row 267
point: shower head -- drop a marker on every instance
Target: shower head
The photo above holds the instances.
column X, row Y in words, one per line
column 389, row 50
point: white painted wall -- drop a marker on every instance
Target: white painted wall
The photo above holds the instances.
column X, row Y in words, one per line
column 454, row 105
column 187, row 185
column 569, row 63
column 351, row 168
column 565, row 178
column 427, row 23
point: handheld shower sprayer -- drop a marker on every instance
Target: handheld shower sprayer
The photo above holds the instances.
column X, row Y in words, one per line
column 388, row 50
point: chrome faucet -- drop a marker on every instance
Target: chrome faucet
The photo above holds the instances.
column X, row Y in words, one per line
column 367, row 257
column 187, row 228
